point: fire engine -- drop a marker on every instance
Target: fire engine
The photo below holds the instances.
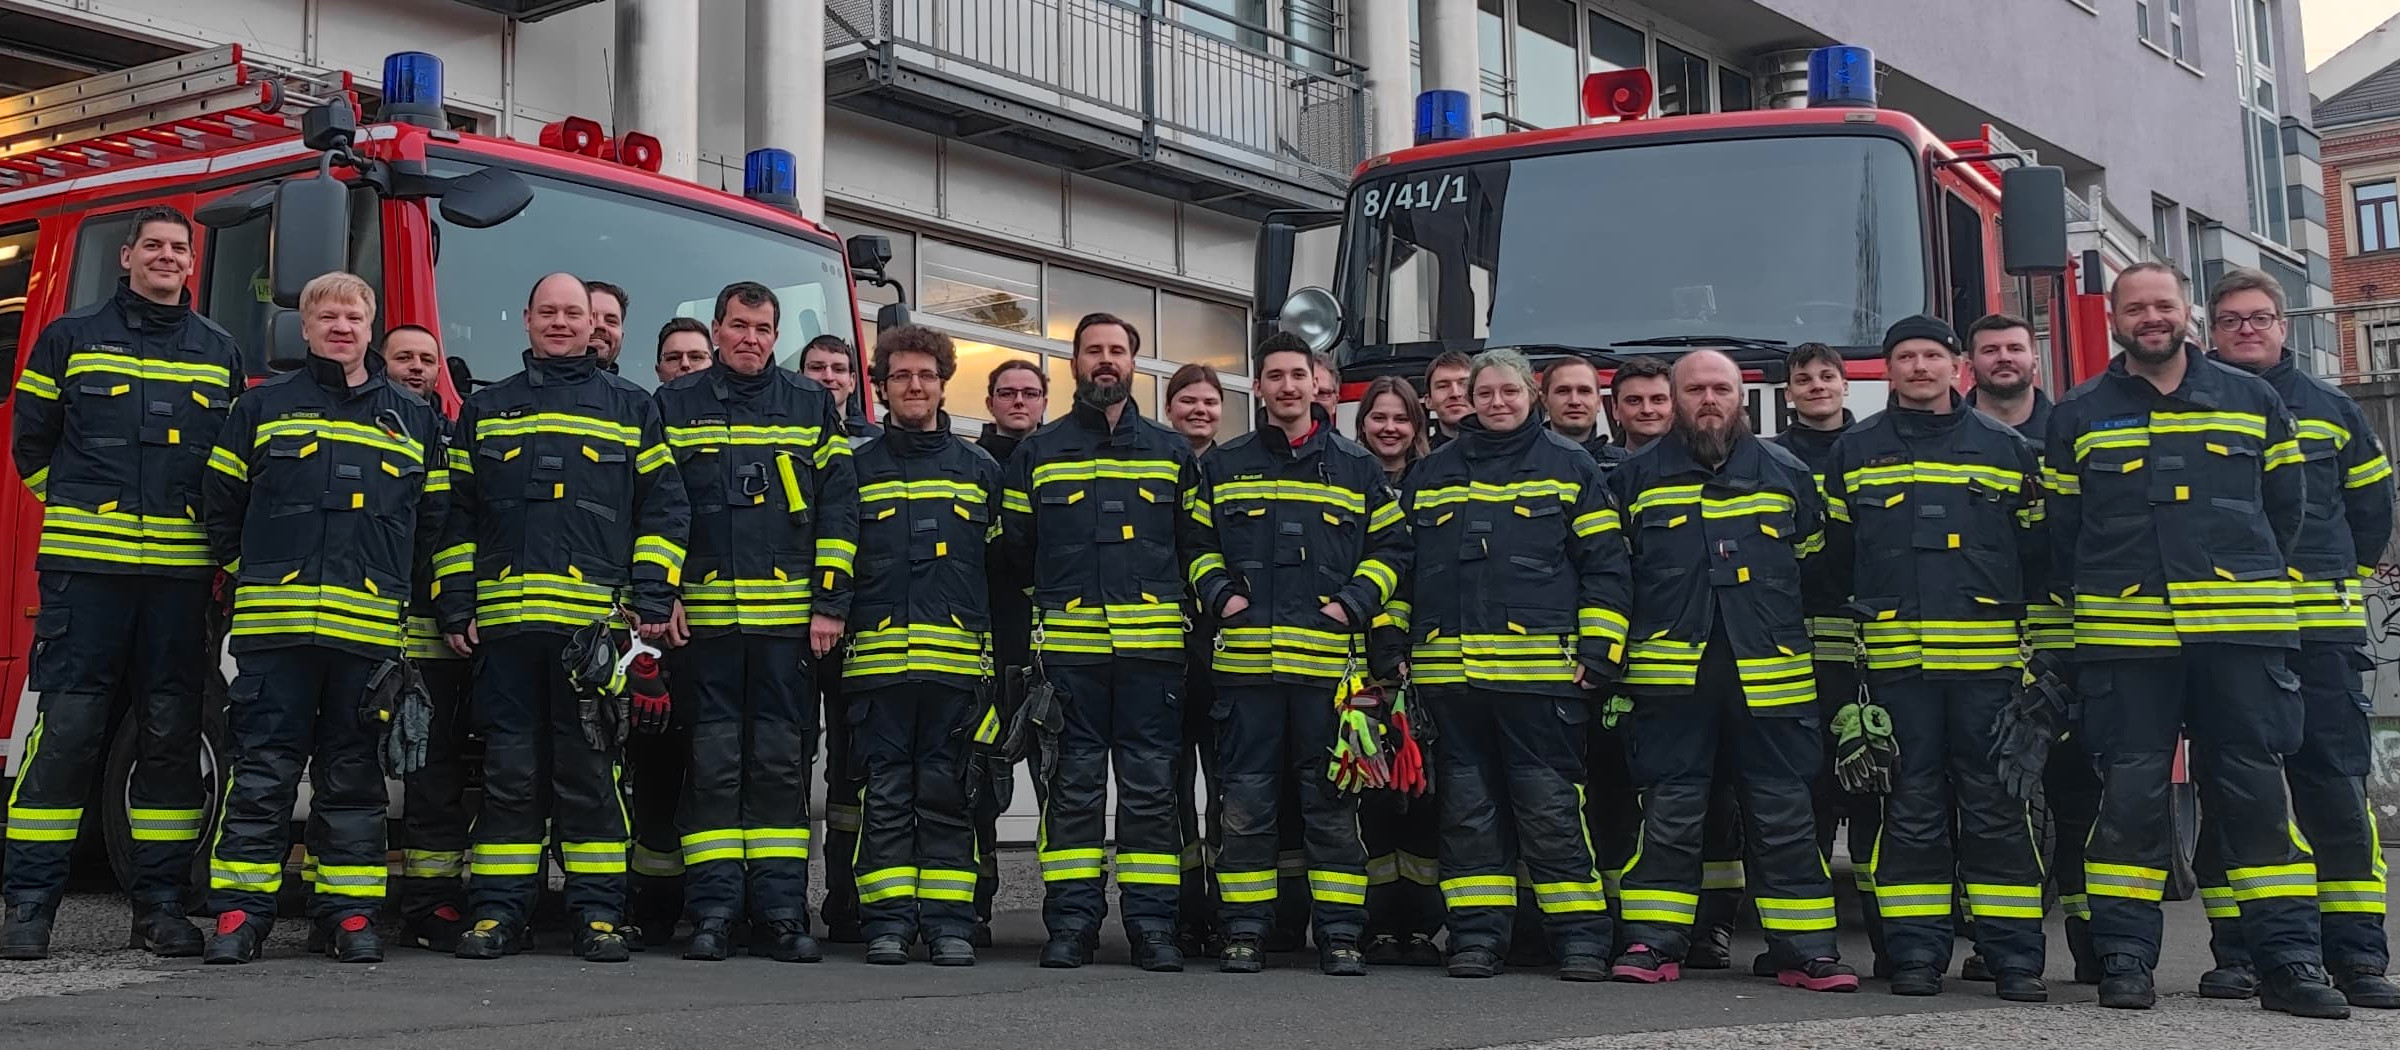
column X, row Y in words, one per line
column 450, row 227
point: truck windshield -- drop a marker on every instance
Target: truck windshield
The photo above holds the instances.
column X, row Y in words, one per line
column 1790, row 239
column 671, row 261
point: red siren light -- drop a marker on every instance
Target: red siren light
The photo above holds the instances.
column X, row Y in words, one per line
column 636, row 150
column 574, row 135
column 1624, row 94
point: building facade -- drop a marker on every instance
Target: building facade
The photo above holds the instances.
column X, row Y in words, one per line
column 2358, row 113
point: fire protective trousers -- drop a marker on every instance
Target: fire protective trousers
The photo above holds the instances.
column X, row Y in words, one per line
column 2329, row 801
column 1126, row 712
column 294, row 710
column 745, row 797
column 1272, row 739
column 1675, row 741
column 540, row 778
column 1403, row 837
column 2243, row 710
column 435, row 828
column 2072, row 788
column 1199, row 793
column 845, row 787
column 656, row 763
column 916, row 858
column 99, row 637
column 1837, row 684
column 1944, row 774
column 1511, row 774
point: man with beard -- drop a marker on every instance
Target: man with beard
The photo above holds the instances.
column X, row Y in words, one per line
column 1094, row 502
column 1571, row 398
column 2176, row 504
column 1721, row 524
column 2007, row 369
column 1446, row 396
column 1933, row 532
column 2348, row 523
column 1017, row 394
column 609, row 307
column 1638, row 398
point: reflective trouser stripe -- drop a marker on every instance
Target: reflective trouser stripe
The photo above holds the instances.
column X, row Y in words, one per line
column 1195, row 856
column 1245, row 887
column 1059, row 865
column 1383, row 870
column 715, row 844
column 2124, row 880
column 2280, row 880
column 505, row 858
column 2076, row 906
column 351, row 880
column 842, row 817
column 2219, row 903
column 1424, row 871
column 775, row 843
column 1480, row 891
column 1668, row 907
column 1815, row 913
column 945, row 884
column 1563, row 898
column 244, row 876
column 1149, row 869
column 432, row 864
column 26, row 824
column 885, row 884
column 592, row 858
column 1862, row 878
column 2363, row 898
column 656, row 864
column 1722, row 875
column 1337, row 887
column 164, row 825
column 1990, row 900
column 1913, row 900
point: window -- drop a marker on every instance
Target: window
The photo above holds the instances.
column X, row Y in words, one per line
column 2377, row 215
column 964, row 396
column 2267, row 181
column 2162, row 224
column 2195, row 241
column 2254, row 80
column 1733, row 91
column 1611, row 45
column 1683, row 82
column 1547, row 83
column 2175, row 28
column 1966, row 260
column 16, row 275
column 1316, row 23
column 233, row 279
column 2383, row 347
column 980, row 287
column 1199, row 331
column 2141, row 19
column 1491, row 61
column 1074, row 293
column 1195, row 13
column 94, row 274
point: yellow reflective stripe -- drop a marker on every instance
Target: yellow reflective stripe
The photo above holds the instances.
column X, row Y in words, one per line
column 1480, row 891
column 1713, row 506
column 29, row 824
column 88, row 361
column 505, row 858
column 2320, row 430
column 1149, row 869
column 337, row 430
column 938, row 489
column 1809, row 913
column 450, row 561
column 242, row 876
column 461, row 461
column 916, row 648
column 1566, row 898
column 223, row 461
column 885, row 884
column 2250, row 423
column 665, row 553
column 939, row 884
column 2060, row 482
column 38, row 385
column 1292, row 491
column 652, row 459
column 1912, row 900
column 1065, row 864
column 1933, row 473
column 592, row 858
column 1665, row 907
column 1246, row 887
column 708, row 435
column 836, row 555
column 775, row 843
column 351, row 880
column 2283, row 454
column 2002, row 901
column 1205, row 564
column 1117, row 469
column 1385, row 516
column 1016, row 501
column 1565, row 492
column 38, row 483
column 1598, row 522
column 559, row 423
column 325, row 610
column 2127, row 881
column 714, row 844
column 2278, row 880
column 2367, row 473
column 2218, row 902
column 1381, row 576
column 432, row 864
column 540, row 597
column 163, row 825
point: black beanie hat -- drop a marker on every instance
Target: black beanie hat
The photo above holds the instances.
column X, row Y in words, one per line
column 1921, row 327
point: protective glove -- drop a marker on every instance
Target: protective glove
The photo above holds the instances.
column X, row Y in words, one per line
column 982, row 730
column 408, row 742
column 646, row 687
column 2024, row 730
column 1616, row 710
column 1408, row 757
column 1865, row 750
column 381, row 700
column 1358, row 759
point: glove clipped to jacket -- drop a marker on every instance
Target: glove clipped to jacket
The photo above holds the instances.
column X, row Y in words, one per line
column 2034, row 718
column 1865, row 750
column 398, row 708
column 1359, row 760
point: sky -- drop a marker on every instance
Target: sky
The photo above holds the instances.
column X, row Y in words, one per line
column 2327, row 26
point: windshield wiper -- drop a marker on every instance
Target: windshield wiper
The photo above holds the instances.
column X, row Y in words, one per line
column 1728, row 342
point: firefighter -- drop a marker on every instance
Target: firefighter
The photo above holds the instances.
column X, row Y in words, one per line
column 2175, row 504
column 2000, row 353
column 1933, row 532
column 684, row 347
column 1721, row 525
column 923, row 708
column 1095, row 503
column 1017, row 395
column 1301, row 543
column 1516, row 614
column 1195, row 404
column 610, row 306
column 1816, row 392
column 116, row 409
column 326, row 490
column 1446, row 396
column 434, row 822
column 832, row 362
column 2347, row 524
column 563, row 495
column 1571, row 399
column 765, row 596
column 1639, row 402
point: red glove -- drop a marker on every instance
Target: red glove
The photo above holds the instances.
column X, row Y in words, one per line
column 648, row 690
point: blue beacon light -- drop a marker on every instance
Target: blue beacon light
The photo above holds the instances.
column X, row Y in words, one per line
column 771, row 176
column 1442, row 116
column 1841, row 75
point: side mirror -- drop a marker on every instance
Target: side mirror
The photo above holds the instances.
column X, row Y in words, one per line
column 2033, row 220
column 238, row 207
column 870, row 253
column 891, row 316
column 1314, row 316
column 485, row 198
column 287, row 346
column 312, row 234
column 1271, row 274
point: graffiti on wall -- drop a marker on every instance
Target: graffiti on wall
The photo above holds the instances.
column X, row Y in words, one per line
column 2382, row 592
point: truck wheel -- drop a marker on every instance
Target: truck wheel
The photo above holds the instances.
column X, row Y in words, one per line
column 117, row 785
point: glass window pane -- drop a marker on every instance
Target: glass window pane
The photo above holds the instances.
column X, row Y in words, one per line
column 2262, row 24
column 1062, row 388
column 1237, row 417
column 2378, row 191
column 2390, row 215
column 978, row 286
column 1491, row 52
column 1683, row 82
column 1193, row 14
column 964, row 397
column 1613, row 45
column 1733, row 92
column 1547, row 83
column 1196, row 330
column 1074, row 293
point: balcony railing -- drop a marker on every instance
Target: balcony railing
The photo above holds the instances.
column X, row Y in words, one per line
column 1176, row 74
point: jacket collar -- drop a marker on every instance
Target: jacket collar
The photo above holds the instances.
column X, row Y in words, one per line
column 1816, row 440
column 2280, row 370
column 1916, row 422
column 1674, row 457
column 2202, row 385
column 1483, row 443
column 542, row 371
column 913, row 444
column 140, row 313
column 1273, row 439
column 1096, row 420
column 327, row 373
column 730, row 385
column 2037, row 423
column 1000, row 445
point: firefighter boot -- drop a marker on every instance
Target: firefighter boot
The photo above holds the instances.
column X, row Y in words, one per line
column 437, row 930
column 1819, row 975
column 1066, row 952
column 2301, row 990
column 25, row 935
column 354, row 941
column 785, row 940
column 1643, row 964
column 2016, row 986
column 951, row 951
column 711, row 941
column 1156, row 953
column 2367, row 988
column 163, row 930
column 1916, row 979
column 1583, row 964
column 1341, row 958
column 490, row 939
column 2125, row 984
column 2233, row 981
column 891, row 949
column 598, row 941
column 1242, row 954
column 239, row 939
column 2079, row 945
column 1712, row 934
column 1474, row 963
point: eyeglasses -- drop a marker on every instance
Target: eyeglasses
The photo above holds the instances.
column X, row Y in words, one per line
column 1006, row 394
column 2257, row 322
column 914, row 378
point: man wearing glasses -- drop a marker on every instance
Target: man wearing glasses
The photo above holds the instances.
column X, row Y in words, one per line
column 1017, row 395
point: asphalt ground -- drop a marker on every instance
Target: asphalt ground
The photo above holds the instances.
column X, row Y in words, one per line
column 95, row 996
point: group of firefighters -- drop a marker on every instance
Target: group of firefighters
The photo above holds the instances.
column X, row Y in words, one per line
column 1648, row 674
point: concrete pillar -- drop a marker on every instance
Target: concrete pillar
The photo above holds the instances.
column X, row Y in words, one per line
column 1379, row 40
column 785, row 104
column 1446, row 32
column 658, row 79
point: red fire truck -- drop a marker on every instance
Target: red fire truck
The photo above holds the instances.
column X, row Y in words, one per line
column 450, row 227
